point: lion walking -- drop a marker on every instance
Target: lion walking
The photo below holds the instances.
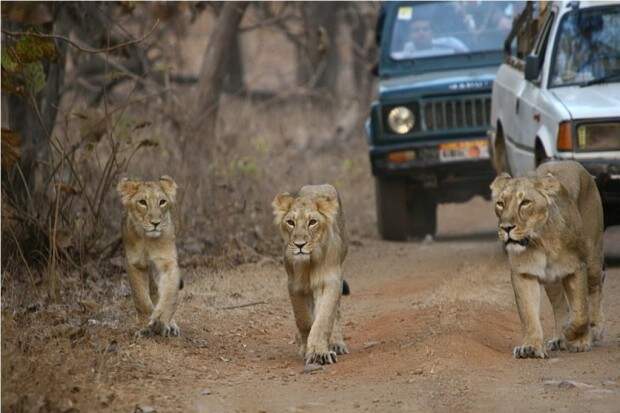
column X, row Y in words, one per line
column 551, row 225
column 312, row 226
column 149, row 241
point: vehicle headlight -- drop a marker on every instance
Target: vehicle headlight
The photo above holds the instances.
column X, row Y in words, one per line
column 598, row 136
column 401, row 120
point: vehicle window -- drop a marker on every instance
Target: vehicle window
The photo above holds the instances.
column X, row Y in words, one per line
column 446, row 28
column 587, row 47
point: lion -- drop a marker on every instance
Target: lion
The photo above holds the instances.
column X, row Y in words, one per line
column 312, row 226
column 149, row 241
column 551, row 225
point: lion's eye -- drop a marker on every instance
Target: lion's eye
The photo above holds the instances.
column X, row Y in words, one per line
column 290, row 223
column 499, row 205
column 312, row 222
column 526, row 203
column 142, row 202
column 162, row 202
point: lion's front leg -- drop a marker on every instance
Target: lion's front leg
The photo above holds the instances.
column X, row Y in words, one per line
column 302, row 310
column 555, row 292
column 168, row 287
column 336, row 343
column 139, row 282
column 577, row 331
column 527, row 296
column 326, row 301
column 596, row 278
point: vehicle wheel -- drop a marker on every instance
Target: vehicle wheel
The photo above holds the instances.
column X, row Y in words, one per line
column 540, row 156
column 500, row 160
column 392, row 214
column 422, row 215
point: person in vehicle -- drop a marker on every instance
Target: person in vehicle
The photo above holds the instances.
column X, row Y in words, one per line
column 588, row 49
column 421, row 41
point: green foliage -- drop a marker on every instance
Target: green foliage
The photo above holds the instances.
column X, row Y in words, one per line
column 34, row 77
column 30, row 49
column 22, row 64
column 8, row 61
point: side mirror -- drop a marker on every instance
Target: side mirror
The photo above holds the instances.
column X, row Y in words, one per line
column 532, row 67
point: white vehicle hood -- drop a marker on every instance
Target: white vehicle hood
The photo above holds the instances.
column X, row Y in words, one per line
column 590, row 102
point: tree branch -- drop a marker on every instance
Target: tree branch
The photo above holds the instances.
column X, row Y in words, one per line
column 80, row 47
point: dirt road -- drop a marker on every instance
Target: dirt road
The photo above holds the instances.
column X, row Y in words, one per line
column 430, row 327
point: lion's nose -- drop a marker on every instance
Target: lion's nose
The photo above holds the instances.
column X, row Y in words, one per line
column 155, row 223
column 300, row 244
column 507, row 228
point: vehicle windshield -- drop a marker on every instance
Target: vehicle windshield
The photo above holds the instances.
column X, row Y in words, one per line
column 448, row 28
column 588, row 47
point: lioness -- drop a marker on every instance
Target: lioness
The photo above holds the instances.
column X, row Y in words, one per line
column 312, row 225
column 551, row 225
column 149, row 240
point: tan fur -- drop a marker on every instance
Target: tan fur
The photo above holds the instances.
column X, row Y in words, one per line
column 145, row 204
column 312, row 226
column 556, row 217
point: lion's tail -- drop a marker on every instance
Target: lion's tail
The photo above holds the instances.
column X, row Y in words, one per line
column 345, row 288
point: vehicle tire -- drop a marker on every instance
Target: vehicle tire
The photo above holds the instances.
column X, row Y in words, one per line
column 392, row 213
column 540, row 156
column 500, row 158
column 422, row 215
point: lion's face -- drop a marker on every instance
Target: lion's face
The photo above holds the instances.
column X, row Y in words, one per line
column 148, row 204
column 304, row 223
column 522, row 207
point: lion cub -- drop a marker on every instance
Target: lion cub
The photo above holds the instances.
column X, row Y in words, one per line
column 312, row 226
column 149, row 240
column 551, row 225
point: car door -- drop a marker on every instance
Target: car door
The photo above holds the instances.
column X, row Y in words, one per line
column 528, row 108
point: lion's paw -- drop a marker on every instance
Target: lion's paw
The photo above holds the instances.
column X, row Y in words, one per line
column 320, row 357
column 157, row 327
column 580, row 345
column 529, row 351
column 598, row 333
column 339, row 348
column 556, row 344
column 175, row 331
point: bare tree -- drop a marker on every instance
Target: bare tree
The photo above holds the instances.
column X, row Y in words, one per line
column 317, row 58
column 213, row 68
column 32, row 112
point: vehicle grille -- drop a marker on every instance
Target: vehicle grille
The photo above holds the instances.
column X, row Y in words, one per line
column 467, row 112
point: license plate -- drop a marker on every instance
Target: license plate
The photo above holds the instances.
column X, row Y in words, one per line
column 464, row 150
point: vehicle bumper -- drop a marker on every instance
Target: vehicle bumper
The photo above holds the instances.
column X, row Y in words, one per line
column 453, row 181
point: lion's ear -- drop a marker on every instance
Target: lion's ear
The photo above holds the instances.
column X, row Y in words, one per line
column 281, row 205
column 169, row 187
column 499, row 183
column 126, row 189
column 327, row 206
column 549, row 184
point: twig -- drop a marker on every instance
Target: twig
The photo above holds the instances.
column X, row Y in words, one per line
column 79, row 47
column 232, row 307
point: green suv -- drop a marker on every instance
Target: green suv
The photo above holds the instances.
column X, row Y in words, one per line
column 427, row 133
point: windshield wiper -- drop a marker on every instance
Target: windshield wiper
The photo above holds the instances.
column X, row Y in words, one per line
column 602, row 79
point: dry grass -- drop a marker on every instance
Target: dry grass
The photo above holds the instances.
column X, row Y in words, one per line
column 74, row 297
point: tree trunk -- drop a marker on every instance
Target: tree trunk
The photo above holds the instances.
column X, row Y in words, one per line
column 318, row 59
column 213, row 71
column 35, row 128
column 233, row 78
